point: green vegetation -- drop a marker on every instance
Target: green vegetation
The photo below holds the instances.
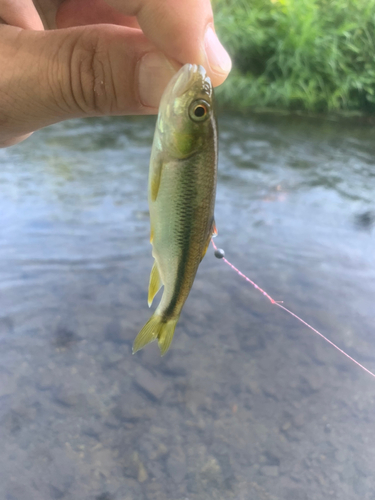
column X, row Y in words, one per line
column 311, row 55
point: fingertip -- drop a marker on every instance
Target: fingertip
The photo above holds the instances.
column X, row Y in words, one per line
column 217, row 79
column 13, row 140
column 218, row 60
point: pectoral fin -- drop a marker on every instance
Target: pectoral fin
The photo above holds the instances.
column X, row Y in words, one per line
column 213, row 230
column 212, row 234
column 155, row 283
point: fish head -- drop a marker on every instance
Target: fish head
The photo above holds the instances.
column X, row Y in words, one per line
column 186, row 115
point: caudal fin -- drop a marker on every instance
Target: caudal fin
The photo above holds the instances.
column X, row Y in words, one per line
column 158, row 329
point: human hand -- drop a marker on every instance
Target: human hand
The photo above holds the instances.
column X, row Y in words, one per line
column 57, row 62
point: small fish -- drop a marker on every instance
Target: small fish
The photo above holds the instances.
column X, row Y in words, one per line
column 181, row 195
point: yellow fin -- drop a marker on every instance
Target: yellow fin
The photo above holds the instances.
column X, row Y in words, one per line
column 166, row 335
column 156, row 328
column 148, row 334
column 155, row 283
column 155, row 176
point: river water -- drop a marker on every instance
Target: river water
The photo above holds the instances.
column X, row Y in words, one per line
column 248, row 404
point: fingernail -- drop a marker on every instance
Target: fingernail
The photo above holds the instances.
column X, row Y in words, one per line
column 218, row 58
column 154, row 72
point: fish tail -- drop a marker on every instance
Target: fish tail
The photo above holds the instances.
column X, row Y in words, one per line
column 158, row 329
column 166, row 335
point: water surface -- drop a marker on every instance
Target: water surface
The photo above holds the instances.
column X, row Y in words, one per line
column 248, row 404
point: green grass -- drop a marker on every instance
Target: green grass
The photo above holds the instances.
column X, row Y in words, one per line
column 311, row 55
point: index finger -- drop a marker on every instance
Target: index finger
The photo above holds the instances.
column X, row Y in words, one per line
column 183, row 30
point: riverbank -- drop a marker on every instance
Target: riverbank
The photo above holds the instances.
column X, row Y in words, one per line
column 299, row 55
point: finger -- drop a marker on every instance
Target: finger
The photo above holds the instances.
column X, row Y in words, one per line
column 20, row 13
column 182, row 29
column 79, row 13
column 54, row 75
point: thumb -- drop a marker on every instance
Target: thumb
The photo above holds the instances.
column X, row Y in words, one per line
column 50, row 76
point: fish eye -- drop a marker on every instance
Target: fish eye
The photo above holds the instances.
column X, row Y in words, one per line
column 199, row 110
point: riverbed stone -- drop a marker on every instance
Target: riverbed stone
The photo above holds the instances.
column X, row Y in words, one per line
column 153, row 385
column 176, row 465
column 270, row 470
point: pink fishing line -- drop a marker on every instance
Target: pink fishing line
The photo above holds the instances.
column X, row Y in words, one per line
column 278, row 303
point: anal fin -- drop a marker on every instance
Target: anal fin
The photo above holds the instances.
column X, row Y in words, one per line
column 155, row 283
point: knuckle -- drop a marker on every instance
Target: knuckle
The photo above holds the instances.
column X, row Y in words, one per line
column 91, row 75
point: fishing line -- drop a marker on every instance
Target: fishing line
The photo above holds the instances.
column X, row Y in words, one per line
column 219, row 253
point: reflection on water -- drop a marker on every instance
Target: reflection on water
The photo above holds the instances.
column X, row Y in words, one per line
column 248, row 404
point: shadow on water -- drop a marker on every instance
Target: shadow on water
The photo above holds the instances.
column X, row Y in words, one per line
column 248, row 404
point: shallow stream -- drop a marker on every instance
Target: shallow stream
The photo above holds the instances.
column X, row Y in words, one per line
column 248, row 404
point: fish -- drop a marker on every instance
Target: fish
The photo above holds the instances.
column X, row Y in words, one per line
column 181, row 197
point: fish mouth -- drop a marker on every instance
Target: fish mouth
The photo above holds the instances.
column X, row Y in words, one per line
column 191, row 77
